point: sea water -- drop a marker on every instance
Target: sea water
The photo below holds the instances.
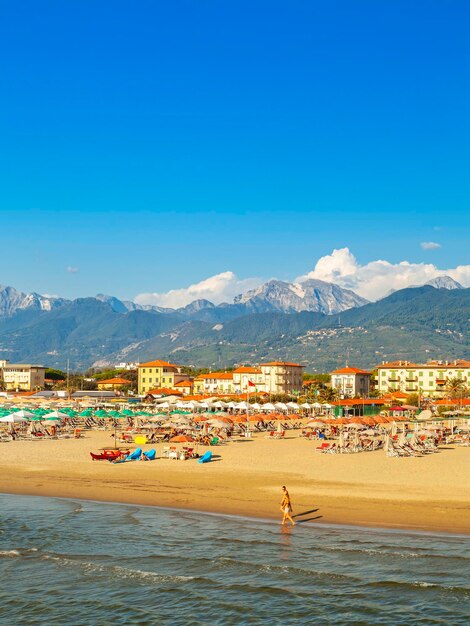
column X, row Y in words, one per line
column 86, row 563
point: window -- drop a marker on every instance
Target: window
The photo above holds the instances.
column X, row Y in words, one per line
column 143, row 371
column 421, row 373
column 150, row 379
column 143, row 380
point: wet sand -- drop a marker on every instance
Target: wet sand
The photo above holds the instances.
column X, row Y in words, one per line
column 429, row 493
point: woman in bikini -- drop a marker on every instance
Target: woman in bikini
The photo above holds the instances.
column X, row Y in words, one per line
column 286, row 507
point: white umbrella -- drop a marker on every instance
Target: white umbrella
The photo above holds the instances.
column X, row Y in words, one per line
column 316, row 405
column 305, row 405
column 13, row 418
column 316, row 424
column 326, row 406
column 203, row 405
column 55, row 415
column 241, row 405
column 425, row 415
column 164, row 405
column 23, row 413
column 219, row 404
column 256, row 406
column 268, row 407
column 293, row 405
column 281, row 406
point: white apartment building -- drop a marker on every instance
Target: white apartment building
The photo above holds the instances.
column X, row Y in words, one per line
column 351, row 382
column 275, row 378
column 22, row 376
column 282, row 377
column 428, row 379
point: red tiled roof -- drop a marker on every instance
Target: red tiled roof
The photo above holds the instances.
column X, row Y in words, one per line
column 114, row 381
column 247, row 370
column 184, row 383
column 158, row 363
column 282, row 363
column 217, row 376
column 431, row 364
column 350, row 370
column 165, row 391
column 357, row 402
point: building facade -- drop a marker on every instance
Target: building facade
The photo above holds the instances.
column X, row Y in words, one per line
column 282, row 377
column 429, row 379
column 154, row 374
column 22, row 376
column 215, row 382
column 351, row 382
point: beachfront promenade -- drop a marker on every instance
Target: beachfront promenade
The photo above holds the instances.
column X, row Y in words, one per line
column 427, row 491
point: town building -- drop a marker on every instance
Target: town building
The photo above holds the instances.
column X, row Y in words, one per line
column 112, row 384
column 248, row 379
column 351, row 382
column 214, row 383
column 428, row 379
column 158, row 373
column 282, row 377
column 22, row 376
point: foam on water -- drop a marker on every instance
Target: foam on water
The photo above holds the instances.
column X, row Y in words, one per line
column 88, row 562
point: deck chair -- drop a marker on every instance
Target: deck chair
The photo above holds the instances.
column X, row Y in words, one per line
column 206, row 457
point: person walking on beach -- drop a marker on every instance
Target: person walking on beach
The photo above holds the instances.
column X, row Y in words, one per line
column 286, row 507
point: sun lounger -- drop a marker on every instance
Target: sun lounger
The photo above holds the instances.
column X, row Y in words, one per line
column 134, row 456
column 206, row 457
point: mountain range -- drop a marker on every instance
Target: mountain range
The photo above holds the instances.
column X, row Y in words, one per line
column 315, row 323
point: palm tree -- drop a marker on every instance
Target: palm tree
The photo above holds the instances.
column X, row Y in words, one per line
column 456, row 388
column 328, row 394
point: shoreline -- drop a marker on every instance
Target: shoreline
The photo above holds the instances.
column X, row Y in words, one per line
column 264, row 520
column 369, row 490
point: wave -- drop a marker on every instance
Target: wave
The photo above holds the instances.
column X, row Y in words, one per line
column 118, row 571
column 416, row 584
column 17, row 552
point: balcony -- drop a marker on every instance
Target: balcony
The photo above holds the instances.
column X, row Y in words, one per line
column 408, row 388
column 411, row 379
column 441, row 381
column 393, row 379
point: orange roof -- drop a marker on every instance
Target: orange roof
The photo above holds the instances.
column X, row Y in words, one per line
column 282, row 363
column 247, row 370
column 217, row 376
column 165, row 391
column 395, row 364
column 114, row 381
column 357, row 402
column 431, row 364
column 350, row 370
column 395, row 394
column 158, row 364
column 184, row 383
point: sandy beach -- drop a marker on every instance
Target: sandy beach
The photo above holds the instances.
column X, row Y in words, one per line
column 429, row 493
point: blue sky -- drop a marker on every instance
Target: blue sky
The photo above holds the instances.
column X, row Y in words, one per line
column 151, row 145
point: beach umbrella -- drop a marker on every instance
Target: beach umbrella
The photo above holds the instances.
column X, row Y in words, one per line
column 13, row 418
column 425, row 415
column 86, row 413
column 182, row 439
column 316, row 424
column 268, row 407
column 305, row 405
column 23, row 413
column 56, row 415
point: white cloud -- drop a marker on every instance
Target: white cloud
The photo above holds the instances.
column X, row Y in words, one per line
column 72, row 270
column 372, row 280
column 219, row 288
column 376, row 278
column 430, row 245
